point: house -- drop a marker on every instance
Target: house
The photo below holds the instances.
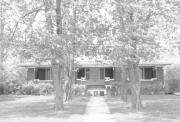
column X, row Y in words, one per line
column 96, row 78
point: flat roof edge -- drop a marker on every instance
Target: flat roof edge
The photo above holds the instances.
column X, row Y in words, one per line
column 97, row 65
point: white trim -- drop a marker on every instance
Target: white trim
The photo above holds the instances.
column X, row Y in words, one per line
column 145, row 80
column 91, row 91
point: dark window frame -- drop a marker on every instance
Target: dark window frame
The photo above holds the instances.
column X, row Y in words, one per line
column 86, row 73
column 103, row 73
column 43, row 76
column 145, row 73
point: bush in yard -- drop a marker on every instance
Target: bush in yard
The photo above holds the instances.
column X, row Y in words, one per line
column 28, row 88
column 13, row 80
column 172, row 78
column 37, row 88
column 45, row 88
column 13, row 87
column 1, row 88
column 152, row 88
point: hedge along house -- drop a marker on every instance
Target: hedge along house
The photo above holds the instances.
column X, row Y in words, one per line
column 97, row 77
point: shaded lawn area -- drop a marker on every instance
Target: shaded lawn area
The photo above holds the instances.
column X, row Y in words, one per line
column 156, row 108
column 39, row 108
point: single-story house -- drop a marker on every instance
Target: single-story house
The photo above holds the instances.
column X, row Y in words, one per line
column 98, row 77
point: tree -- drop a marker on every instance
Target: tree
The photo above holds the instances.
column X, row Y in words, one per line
column 135, row 39
column 124, row 31
column 57, row 64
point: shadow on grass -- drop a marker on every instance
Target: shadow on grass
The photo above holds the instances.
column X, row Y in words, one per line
column 77, row 107
column 165, row 107
column 116, row 105
column 4, row 98
column 155, row 107
column 44, row 107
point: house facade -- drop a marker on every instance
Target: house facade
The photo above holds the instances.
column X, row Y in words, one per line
column 98, row 78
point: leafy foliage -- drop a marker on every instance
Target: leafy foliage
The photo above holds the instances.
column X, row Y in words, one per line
column 172, row 79
column 27, row 88
column 125, row 31
column 32, row 88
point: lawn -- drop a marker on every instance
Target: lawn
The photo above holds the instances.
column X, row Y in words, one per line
column 39, row 108
column 156, row 108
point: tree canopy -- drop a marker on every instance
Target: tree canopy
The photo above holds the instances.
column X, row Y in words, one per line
column 120, row 30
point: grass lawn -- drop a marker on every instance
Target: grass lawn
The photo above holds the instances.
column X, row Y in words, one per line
column 39, row 109
column 156, row 108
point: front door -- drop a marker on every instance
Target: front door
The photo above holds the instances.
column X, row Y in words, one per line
column 101, row 93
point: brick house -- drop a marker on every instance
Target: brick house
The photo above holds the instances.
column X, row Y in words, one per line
column 96, row 78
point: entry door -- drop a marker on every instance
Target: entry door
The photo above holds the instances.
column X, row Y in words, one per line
column 101, row 93
column 94, row 74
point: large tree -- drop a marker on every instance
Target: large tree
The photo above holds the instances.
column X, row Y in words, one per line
column 59, row 31
column 135, row 39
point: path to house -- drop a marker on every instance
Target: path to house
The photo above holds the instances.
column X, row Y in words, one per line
column 97, row 111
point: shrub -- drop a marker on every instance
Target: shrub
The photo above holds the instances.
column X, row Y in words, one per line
column 171, row 86
column 28, row 89
column 1, row 88
column 37, row 88
column 11, row 76
column 45, row 88
column 13, row 87
column 172, row 78
column 152, row 88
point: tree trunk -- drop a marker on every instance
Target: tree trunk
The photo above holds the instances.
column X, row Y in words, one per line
column 2, row 48
column 124, row 84
column 57, row 67
column 57, row 71
column 48, row 14
column 71, row 72
column 72, row 81
column 58, row 17
column 133, row 72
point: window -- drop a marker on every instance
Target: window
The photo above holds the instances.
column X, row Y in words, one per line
column 148, row 72
column 106, row 72
column 83, row 72
column 43, row 74
column 109, row 73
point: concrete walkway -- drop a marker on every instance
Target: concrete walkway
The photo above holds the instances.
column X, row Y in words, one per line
column 97, row 111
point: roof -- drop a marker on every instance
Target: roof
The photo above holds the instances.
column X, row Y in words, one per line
column 35, row 65
column 154, row 64
column 93, row 62
column 96, row 65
